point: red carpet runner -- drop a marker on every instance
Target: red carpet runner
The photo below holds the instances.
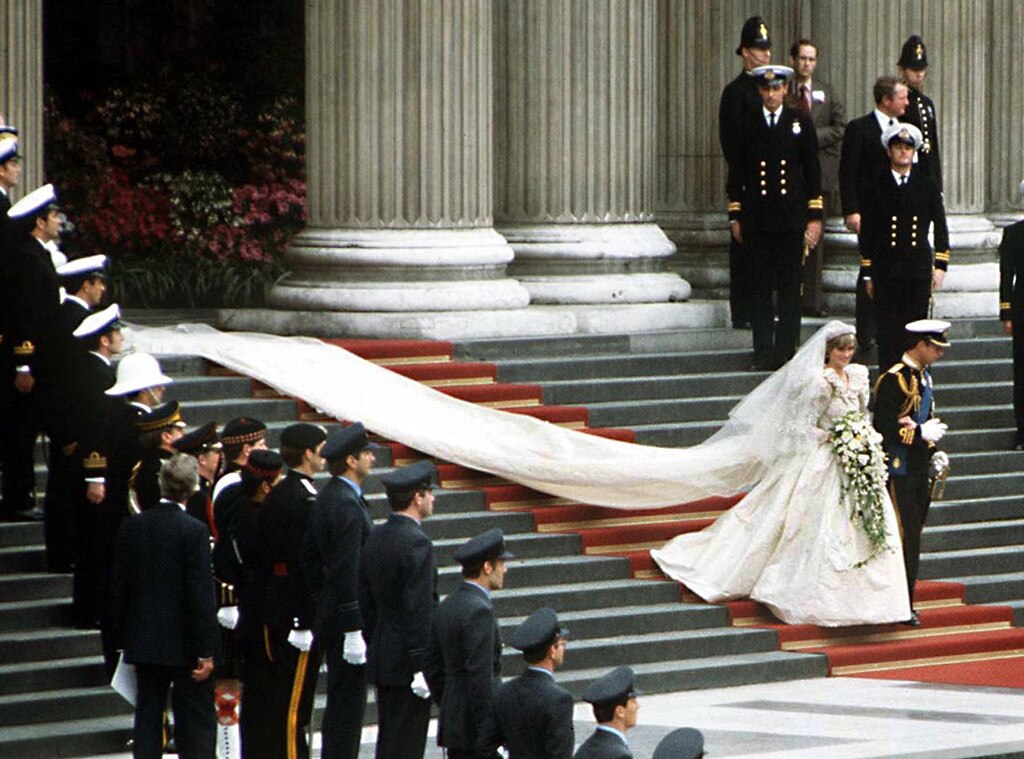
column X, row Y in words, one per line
column 956, row 643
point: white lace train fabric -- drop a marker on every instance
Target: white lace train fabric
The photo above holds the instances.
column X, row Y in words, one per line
column 772, row 436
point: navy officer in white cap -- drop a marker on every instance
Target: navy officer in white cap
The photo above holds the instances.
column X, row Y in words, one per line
column 897, row 262
column 775, row 211
column 464, row 662
column 614, row 699
column 29, row 324
column 531, row 715
column 904, row 415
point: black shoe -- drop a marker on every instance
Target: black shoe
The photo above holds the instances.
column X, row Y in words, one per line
column 914, row 620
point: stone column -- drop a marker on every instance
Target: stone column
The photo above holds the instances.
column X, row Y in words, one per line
column 399, row 239
column 21, row 82
column 696, row 43
column 1004, row 159
column 575, row 153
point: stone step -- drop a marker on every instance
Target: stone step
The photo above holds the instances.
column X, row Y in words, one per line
column 57, row 706
column 971, row 562
column 615, row 365
column 26, row 586
column 982, row 485
column 39, row 645
column 67, row 738
column 53, row 674
column 987, row 462
column 689, row 386
column 537, row 573
column 34, row 615
column 974, row 535
column 22, row 558
column 975, row 510
column 529, row 548
column 194, row 389
column 631, row 620
column 579, row 596
column 660, row 411
column 197, row 413
column 13, row 534
column 988, row 589
column 997, row 438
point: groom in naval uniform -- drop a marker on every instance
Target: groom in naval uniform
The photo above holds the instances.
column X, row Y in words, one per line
column 904, row 415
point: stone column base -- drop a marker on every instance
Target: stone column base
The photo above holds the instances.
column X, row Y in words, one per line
column 578, row 263
column 535, row 321
column 398, row 270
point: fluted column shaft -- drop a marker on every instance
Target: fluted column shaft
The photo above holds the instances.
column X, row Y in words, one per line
column 575, row 153
column 1004, row 158
column 21, row 82
column 400, row 161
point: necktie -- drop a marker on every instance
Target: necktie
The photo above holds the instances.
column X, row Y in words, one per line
column 805, row 98
column 892, row 121
column 903, row 181
column 771, row 119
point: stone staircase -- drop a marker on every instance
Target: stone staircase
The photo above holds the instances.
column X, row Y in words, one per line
column 669, row 389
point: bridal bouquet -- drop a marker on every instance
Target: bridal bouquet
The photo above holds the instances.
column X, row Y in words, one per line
column 858, row 447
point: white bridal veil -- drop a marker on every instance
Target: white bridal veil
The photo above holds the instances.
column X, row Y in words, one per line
column 771, row 423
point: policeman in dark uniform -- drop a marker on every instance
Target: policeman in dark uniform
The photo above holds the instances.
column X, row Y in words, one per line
column 30, row 321
column 681, row 743
column 1011, row 312
column 464, row 661
column 739, row 103
column 896, row 258
column 775, row 210
column 398, row 593
column 614, row 698
column 913, row 66
column 904, row 415
column 531, row 715
column 204, row 446
column 288, row 684
column 332, row 547
column 158, row 431
column 100, row 337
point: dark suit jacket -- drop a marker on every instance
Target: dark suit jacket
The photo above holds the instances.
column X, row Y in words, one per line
column 125, row 453
column 398, row 593
column 829, row 118
column 1011, row 273
column 921, row 113
column 532, row 717
column 775, row 182
column 145, row 482
column 894, row 229
column 164, row 601
column 464, row 666
column 31, row 290
column 603, row 745
column 332, row 547
column 861, row 162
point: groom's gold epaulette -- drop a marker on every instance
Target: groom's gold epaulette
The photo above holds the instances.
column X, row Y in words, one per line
column 908, row 384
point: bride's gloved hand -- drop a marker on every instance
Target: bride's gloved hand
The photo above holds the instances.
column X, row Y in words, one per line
column 933, row 430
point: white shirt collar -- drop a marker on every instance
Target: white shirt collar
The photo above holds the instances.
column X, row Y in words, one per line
column 613, row 731
column 78, row 300
column 101, row 357
column 899, row 177
column 883, row 120
column 767, row 113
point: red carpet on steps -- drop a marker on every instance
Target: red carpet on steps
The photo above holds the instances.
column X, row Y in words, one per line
column 956, row 643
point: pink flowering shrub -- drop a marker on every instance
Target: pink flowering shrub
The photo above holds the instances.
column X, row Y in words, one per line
column 193, row 199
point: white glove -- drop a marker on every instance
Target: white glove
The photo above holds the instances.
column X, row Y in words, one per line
column 354, row 649
column 419, row 685
column 933, row 430
column 301, row 639
column 227, row 616
column 940, row 462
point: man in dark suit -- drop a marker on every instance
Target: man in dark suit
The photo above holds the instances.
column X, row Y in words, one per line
column 903, row 415
column 166, row 617
column 862, row 160
column 398, row 595
column 1011, row 312
column 464, row 660
column 531, row 715
column 100, row 338
column 775, row 209
column 913, row 67
column 332, row 548
column 817, row 99
column 30, row 321
column 739, row 103
column 158, row 431
column 614, row 698
column 897, row 264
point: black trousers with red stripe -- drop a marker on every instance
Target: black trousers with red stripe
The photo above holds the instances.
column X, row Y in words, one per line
column 278, row 685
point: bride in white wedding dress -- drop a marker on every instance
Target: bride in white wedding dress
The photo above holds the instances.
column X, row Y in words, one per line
column 792, row 543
